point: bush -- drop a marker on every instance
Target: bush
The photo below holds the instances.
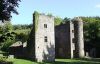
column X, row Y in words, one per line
column 6, row 44
column 7, row 40
column 3, row 60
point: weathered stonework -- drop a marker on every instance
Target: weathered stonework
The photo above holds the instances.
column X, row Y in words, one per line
column 78, row 27
column 69, row 39
column 41, row 46
column 64, row 40
column 44, row 39
column 45, row 42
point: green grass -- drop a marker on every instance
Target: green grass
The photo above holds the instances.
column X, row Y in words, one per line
column 77, row 61
column 21, row 61
column 59, row 61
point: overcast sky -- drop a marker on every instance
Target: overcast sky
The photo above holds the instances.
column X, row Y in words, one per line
column 61, row 8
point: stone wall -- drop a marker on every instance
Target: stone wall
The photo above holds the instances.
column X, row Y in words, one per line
column 41, row 44
column 44, row 39
column 64, row 44
column 66, row 39
column 79, row 40
column 69, row 39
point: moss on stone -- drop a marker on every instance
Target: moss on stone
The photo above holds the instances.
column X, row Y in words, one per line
column 36, row 18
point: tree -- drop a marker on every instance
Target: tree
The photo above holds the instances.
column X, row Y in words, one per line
column 6, row 7
column 7, row 27
column 91, row 32
column 66, row 20
column 58, row 21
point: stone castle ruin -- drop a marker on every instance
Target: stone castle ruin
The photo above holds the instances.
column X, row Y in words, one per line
column 69, row 39
column 47, row 41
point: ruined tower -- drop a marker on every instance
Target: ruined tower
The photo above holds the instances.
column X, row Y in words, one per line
column 79, row 42
column 64, row 35
column 68, row 38
column 44, row 37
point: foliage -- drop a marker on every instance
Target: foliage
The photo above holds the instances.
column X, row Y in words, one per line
column 6, row 7
column 9, row 34
column 1, row 30
column 7, row 37
column 58, row 21
column 7, row 27
column 92, row 32
column 7, row 40
column 22, row 37
column 3, row 59
column 66, row 20
column 36, row 16
column 22, row 27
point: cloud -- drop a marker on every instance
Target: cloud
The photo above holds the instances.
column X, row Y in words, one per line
column 97, row 6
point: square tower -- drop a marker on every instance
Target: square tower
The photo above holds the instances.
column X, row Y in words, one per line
column 44, row 37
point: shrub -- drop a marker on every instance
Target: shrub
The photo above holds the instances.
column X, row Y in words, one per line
column 3, row 60
column 7, row 40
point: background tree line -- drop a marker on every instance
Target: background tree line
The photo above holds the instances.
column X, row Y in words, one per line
column 11, row 33
column 92, row 33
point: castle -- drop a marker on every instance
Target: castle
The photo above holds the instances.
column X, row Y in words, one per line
column 47, row 41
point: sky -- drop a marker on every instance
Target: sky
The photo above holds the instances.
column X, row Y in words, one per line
column 60, row 8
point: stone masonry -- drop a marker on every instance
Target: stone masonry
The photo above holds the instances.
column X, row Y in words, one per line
column 69, row 39
column 78, row 27
column 64, row 44
column 47, row 41
column 43, row 47
column 44, row 39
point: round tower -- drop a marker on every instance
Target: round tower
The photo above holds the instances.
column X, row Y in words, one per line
column 79, row 40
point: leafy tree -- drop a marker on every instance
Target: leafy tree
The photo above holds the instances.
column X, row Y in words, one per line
column 6, row 40
column 58, row 21
column 92, row 32
column 66, row 20
column 8, row 27
column 6, row 7
column 7, row 37
column 22, row 37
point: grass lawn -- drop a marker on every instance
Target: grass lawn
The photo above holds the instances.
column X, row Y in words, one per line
column 21, row 61
column 59, row 61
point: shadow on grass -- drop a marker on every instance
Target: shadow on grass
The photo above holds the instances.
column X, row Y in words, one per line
column 73, row 61
column 58, row 62
column 90, row 59
column 76, row 61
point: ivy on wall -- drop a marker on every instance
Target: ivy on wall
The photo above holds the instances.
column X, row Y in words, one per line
column 36, row 18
